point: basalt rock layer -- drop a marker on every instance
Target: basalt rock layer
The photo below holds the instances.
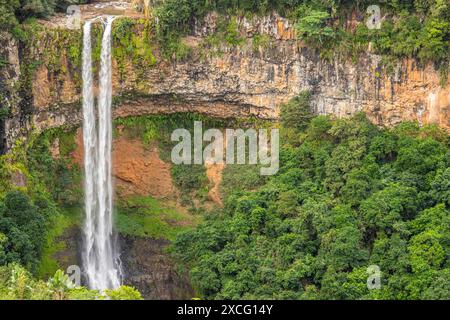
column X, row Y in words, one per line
column 147, row 267
column 226, row 80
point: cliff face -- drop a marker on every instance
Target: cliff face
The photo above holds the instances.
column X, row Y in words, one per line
column 236, row 81
column 145, row 265
column 9, row 77
column 149, row 269
column 40, row 88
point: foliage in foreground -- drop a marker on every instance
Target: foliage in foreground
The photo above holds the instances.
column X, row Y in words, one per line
column 34, row 215
column 16, row 283
column 348, row 195
column 21, row 230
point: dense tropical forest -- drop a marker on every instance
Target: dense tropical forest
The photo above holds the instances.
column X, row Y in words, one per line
column 350, row 197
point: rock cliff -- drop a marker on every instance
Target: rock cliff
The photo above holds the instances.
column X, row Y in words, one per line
column 148, row 268
column 40, row 88
column 225, row 80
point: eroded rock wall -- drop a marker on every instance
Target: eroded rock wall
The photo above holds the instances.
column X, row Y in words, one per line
column 9, row 79
column 247, row 80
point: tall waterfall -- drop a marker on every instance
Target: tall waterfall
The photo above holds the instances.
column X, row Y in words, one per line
column 100, row 258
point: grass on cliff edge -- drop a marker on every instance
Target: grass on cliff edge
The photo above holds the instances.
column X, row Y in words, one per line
column 148, row 217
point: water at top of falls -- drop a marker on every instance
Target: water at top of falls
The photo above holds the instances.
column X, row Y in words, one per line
column 100, row 257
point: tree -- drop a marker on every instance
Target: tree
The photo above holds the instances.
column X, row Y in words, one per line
column 434, row 40
column 123, row 293
column 440, row 187
column 312, row 26
column 7, row 17
column 60, row 284
column 348, row 195
column 386, row 207
column 426, row 251
column 12, row 11
column 296, row 113
column 24, row 228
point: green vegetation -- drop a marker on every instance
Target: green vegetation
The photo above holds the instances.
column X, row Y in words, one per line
column 173, row 48
column 238, row 178
column 260, row 41
column 227, row 34
column 148, row 217
column 14, row 11
column 34, row 188
column 123, row 293
column 22, row 225
column 348, row 195
column 58, row 49
column 58, row 224
column 416, row 29
column 312, row 26
column 4, row 112
column 189, row 179
column 132, row 44
column 16, row 283
column 60, row 173
column 36, row 216
column 411, row 36
column 39, row 201
column 295, row 114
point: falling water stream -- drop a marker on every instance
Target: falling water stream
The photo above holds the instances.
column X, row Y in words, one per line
column 100, row 257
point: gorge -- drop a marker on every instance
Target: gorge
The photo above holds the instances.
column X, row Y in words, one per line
column 89, row 115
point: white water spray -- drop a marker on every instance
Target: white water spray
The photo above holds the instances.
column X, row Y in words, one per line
column 99, row 255
column 90, row 143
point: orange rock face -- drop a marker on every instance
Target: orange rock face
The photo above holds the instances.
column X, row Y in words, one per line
column 137, row 170
column 245, row 81
column 140, row 171
column 214, row 174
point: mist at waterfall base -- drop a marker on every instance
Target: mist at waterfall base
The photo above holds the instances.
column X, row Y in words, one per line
column 100, row 256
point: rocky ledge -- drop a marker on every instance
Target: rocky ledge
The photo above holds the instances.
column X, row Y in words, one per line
column 230, row 80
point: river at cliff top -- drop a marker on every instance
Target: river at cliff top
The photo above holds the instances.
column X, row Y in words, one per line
column 90, row 11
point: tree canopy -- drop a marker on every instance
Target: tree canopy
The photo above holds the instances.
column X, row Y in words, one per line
column 348, row 195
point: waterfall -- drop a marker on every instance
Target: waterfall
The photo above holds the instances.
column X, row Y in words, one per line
column 90, row 147
column 107, row 276
column 100, row 258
